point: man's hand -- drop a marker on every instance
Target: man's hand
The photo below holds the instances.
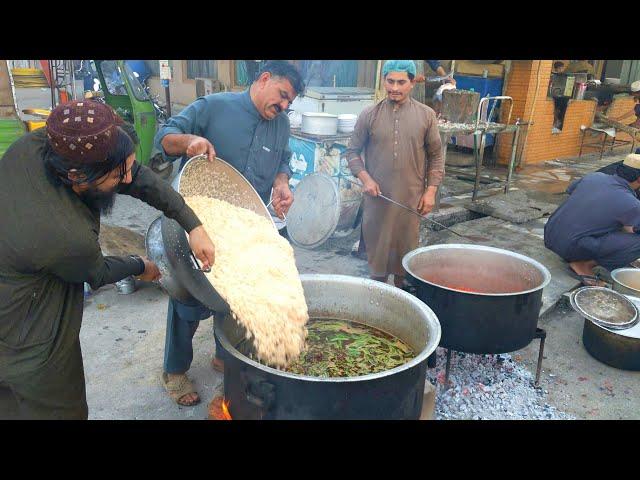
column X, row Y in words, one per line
column 369, row 185
column 198, row 146
column 282, row 197
column 427, row 200
column 151, row 271
column 202, row 247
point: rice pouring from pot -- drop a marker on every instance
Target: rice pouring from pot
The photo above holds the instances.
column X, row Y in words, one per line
column 255, row 272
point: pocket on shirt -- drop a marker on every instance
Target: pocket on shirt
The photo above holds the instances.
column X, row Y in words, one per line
column 267, row 165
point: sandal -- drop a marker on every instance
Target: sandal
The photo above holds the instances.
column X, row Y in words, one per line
column 178, row 387
column 589, row 280
column 586, row 280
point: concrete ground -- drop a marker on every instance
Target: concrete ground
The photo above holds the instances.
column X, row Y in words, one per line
column 123, row 335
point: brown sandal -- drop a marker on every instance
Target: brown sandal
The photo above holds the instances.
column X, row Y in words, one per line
column 178, row 387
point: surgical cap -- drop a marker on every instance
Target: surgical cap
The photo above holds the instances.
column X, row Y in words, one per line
column 408, row 66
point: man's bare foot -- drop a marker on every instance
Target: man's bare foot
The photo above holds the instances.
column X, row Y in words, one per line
column 583, row 267
column 584, row 270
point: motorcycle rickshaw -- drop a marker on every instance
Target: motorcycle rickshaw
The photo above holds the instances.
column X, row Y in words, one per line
column 119, row 87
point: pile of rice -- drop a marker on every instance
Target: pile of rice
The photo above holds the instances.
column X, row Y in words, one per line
column 255, row 272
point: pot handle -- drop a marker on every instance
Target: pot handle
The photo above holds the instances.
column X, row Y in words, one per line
column 260, row 393
column 197, row 264
column 409, row 286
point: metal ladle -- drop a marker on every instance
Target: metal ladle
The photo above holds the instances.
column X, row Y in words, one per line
column 473, row 238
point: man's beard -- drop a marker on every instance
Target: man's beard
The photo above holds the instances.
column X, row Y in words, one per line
column 100, row 201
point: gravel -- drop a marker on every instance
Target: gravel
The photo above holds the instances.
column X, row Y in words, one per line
column 488, row 387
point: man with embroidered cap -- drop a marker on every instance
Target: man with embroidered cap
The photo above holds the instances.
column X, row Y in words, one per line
column 599, row 224
column 399, row 140
column 54, row 184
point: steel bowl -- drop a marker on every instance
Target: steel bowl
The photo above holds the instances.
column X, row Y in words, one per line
column 627, row 281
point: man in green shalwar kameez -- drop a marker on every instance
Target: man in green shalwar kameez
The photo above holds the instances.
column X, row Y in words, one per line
column 54, row 183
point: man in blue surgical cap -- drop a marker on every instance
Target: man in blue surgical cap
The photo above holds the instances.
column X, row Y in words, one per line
column 403, row 160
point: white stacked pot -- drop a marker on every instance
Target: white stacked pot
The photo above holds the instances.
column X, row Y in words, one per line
column 346, row 122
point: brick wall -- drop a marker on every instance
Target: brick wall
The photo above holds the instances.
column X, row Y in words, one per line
column 618, row 107
column 541, row 143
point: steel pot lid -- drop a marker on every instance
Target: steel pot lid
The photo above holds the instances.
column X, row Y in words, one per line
column 315, row 212
column 605, row 307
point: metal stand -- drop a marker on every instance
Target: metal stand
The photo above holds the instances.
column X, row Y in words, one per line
column 447, row 368
column 541, row 334
column 478, row 154
column 432, row 360
column 480, row 130
column 512, row 160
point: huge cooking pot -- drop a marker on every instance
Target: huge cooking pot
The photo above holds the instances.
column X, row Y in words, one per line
column 255, row 391
column 167, row 242
column 487, row 299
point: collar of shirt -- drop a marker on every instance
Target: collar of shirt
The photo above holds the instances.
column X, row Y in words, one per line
column 400, row 106
column 249, row 105
column 622, row 181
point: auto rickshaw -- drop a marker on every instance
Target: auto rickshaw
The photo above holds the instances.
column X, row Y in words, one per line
column 11, row 126
column 118, row 86
column 122, row 90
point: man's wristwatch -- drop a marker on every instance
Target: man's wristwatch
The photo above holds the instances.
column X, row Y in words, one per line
column 138, row 258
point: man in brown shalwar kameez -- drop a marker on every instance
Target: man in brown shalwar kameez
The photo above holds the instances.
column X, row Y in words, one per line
column 403, row 153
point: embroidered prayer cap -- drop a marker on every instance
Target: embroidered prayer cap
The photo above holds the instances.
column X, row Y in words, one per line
column 82, row 131
column 632, row 160
column 408, row 66
column 635, row 86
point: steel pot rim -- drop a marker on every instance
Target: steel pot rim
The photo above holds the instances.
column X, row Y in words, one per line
column 611, row 327
column 429, row 348
column 450, row 246
column 614, row 274
column 178, row 180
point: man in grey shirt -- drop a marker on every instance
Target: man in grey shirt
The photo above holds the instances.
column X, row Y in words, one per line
column 250, row 131
column 599, row 223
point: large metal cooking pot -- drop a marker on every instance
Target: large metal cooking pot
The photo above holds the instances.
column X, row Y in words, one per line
column 255, row 391
column 608, row 342
column 487, row 299
column 617, row 348
column 168, row 243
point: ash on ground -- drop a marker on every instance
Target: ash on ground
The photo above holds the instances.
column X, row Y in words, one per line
column 488, row 387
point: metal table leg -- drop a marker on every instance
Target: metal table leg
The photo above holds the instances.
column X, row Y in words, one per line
column 479, row 156
column 541, row 334
column 512, row 160
column 446, row 369
column 444, row 138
